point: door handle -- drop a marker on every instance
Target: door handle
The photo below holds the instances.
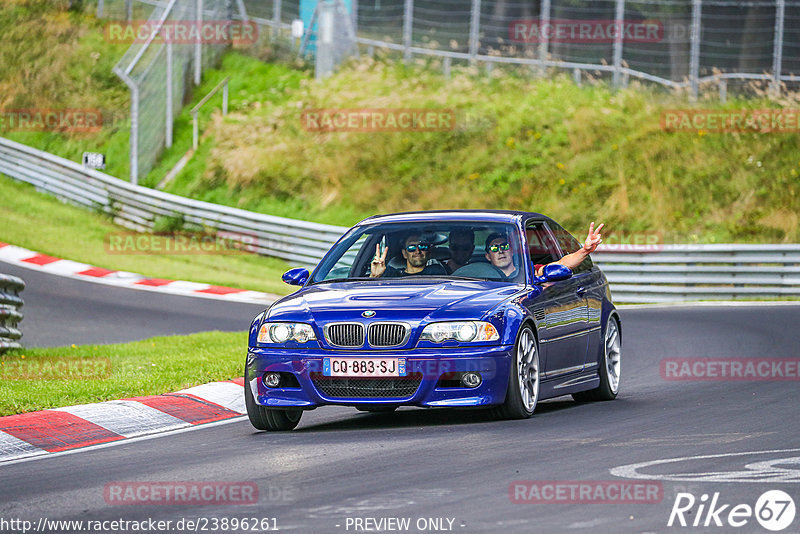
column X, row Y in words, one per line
column 581, row 291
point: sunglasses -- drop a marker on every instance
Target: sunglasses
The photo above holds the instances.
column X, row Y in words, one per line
column 501, row 246
column 422, row 247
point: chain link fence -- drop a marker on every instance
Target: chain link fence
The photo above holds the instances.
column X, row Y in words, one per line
column 167, row 56
column 676, row 43
column 680, row 44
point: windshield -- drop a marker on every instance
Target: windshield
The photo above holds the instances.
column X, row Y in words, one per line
column 473, row 250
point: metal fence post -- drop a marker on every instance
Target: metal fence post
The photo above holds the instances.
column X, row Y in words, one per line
column 99, row 9
column 474, row 30
column 544, row 21
column 408, row 21
column 134, row 159
column 129, row 10
column 134, row 141
column 446, row 67
column 168, row 118
column 243, row 10
column 777, row 50
column 198, row 47
column 694, row 60
column 324, row 55
column 354, row 14
column 618, row 16
column 276, row 18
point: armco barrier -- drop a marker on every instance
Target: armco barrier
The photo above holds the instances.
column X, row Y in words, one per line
column 138, row 208
column 703, row 272
column 10, row 316
column 673, row 273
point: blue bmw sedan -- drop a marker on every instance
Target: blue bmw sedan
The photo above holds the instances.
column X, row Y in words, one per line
column 435, row 309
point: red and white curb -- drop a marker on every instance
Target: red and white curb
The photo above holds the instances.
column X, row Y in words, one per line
column 83, row 271
column 61, row 429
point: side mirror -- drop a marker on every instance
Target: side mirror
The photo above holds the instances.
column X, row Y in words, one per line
column 296, row 277
column 553, row 272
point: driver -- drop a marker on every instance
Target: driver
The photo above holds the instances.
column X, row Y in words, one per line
column 415, row 252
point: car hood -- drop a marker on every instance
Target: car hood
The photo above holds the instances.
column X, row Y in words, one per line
column 393, row 300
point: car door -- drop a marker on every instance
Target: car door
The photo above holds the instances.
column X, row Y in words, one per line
column 562, row 306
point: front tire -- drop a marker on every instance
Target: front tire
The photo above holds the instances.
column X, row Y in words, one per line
column 609, row 369
column 269, row 418
column 523, row 379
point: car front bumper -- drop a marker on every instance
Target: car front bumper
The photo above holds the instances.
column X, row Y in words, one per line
column 426, row 383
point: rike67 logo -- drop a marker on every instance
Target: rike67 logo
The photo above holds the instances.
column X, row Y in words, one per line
column 774, row 510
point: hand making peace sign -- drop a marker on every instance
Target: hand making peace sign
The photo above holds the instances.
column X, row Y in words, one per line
column 378, row 265
column 593, row 239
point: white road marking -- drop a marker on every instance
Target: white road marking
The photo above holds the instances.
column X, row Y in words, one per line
column 767, row 471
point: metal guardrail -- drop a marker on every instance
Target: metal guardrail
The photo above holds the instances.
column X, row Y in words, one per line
column 138, row 208
column 703, row 272
column 672, row 273
column 10, row 316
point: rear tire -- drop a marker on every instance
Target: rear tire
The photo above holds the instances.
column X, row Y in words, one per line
column 269, row 418
column 609, row 369
column 523, row 379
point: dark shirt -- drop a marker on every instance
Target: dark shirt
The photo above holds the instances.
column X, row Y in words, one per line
column 429, row 270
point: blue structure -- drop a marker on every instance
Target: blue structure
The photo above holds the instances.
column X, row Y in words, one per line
column 307, row 8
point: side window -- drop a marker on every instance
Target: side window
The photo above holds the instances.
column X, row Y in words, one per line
column 541, row 249
column 569, row 245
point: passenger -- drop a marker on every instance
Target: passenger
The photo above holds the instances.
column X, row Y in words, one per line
column 416, row 254
column 499, row 253
column 461, row 245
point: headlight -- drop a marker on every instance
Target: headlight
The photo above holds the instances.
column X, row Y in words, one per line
column 283, row 332
column 460, row 331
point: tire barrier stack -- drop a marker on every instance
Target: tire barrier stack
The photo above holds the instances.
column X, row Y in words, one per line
column 10, row 316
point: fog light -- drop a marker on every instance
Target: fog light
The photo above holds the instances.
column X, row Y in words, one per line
column 272, row 380
column 471, row 380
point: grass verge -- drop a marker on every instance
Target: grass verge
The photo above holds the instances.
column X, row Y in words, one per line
column 44, row 224
column 107, row 372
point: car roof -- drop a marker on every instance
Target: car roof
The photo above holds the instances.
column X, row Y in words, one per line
column 453, row 215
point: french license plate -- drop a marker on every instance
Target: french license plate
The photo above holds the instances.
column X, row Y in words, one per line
column 354, row 367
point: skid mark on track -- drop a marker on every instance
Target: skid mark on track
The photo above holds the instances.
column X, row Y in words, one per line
column 690, row 439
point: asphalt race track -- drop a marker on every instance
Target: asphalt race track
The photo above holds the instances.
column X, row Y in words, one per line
column 61, row 311
column 447, row 470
